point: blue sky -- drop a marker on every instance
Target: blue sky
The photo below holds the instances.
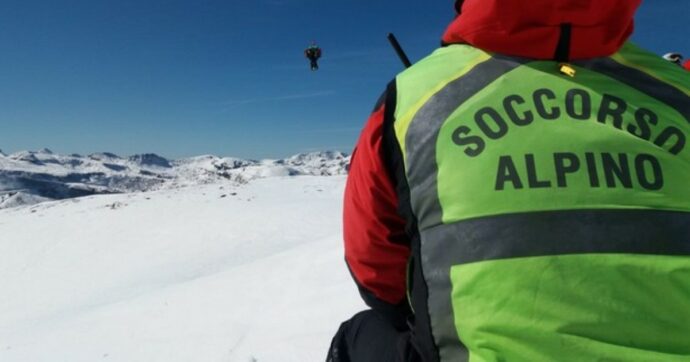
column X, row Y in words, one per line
column 224, row 77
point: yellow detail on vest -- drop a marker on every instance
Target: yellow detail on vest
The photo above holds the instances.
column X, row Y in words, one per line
column 567, row 69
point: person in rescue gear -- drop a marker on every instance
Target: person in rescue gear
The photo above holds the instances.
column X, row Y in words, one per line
column 313, row 53
column 521, row 194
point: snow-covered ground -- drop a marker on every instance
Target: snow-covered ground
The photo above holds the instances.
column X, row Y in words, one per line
column 215, row 272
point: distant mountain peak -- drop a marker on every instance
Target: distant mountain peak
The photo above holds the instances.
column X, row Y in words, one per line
column 100, row 156
column 26, row 156
column 45, row 151
column 329, row 155
column 150, row 159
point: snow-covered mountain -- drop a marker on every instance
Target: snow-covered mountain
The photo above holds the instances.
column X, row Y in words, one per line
column 29, row 177
column 223, row 271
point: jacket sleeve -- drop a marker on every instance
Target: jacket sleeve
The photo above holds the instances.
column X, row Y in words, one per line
column 376, row 245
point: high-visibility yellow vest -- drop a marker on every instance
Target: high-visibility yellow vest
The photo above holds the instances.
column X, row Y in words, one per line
column 553, row 209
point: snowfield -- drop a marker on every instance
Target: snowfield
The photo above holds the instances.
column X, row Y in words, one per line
column 214, row 272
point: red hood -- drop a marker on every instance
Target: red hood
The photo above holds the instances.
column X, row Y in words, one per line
column 532, row 28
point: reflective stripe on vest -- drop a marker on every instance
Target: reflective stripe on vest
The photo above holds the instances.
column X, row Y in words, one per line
column 570, row 184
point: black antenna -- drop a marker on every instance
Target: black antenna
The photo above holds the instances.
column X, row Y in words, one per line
column 398, row 49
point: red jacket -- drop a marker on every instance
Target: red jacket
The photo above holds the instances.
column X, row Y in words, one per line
column 686, row 65
column 377, row 246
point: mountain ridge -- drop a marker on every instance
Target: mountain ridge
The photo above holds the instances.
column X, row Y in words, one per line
column 29, row 177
